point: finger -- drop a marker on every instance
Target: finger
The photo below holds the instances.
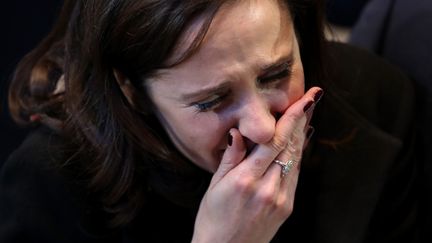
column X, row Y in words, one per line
column 269, row 185
column 288, row 187
column 289, row 158
column 289, row 181
column 294, row 169
column 274, row 176
column 297, row 139
column 233, row 155
column 260, row 158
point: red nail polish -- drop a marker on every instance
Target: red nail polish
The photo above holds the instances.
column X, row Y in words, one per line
column 308, row 106
column 318, row 95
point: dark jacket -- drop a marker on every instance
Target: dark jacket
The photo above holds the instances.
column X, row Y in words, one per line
column 357, row 182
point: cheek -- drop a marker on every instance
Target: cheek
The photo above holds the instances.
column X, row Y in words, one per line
column 199, row 124
column 296, row 90
column 199, row 137
column 206, row 141
column 287, row 94
column 296, row 86
column 202, row 133
column 205, row 133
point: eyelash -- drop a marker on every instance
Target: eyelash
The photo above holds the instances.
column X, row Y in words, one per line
column 208, row 105
column 285, row 72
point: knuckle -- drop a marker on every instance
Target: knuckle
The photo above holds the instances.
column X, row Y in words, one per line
column 287, row 211
column 259, row 163
column 285, row 208
column 267, row 198
column 244, row 185
column 279, row 142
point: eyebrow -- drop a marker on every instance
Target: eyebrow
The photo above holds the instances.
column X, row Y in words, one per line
column 222, row 87
column 276, row 64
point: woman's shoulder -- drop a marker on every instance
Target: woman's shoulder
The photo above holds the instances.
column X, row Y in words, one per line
column 38, row 157
column 36, row 154
column 37, row 198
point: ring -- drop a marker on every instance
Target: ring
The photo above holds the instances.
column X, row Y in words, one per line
column 286, row 166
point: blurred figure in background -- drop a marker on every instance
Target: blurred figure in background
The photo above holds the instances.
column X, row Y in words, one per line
column 344, row 12
column 399, row 30
column 342, row 16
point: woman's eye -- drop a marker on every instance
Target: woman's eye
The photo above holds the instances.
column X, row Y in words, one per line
column 276, row 76
column 208, row 105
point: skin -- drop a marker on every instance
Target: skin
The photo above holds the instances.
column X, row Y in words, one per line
column 261, row 108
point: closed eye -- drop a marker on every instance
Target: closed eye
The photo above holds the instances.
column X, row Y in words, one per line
column 281, row 72
column 209, row 104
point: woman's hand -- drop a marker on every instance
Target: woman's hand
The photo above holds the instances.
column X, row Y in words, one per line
column 248, row 199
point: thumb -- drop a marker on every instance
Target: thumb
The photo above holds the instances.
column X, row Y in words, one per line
column 233, row 155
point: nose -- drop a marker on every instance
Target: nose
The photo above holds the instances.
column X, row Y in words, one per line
column 256, row 122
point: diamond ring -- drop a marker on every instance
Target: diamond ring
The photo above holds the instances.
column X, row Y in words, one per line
column 286, row 166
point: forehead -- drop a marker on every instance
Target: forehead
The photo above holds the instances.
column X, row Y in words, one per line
column 242, row 33
column 243, row 16
column 232, row 15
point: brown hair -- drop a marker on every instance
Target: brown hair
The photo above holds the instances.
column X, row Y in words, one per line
column 125, row 150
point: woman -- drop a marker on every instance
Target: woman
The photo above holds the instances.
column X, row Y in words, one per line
column 177, row 121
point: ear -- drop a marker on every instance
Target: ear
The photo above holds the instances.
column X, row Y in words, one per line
column 130, row 92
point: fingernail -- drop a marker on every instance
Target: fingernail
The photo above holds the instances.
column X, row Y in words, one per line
column 310, row 132
column 318, row 95
column 230, row 138
column 308, row 106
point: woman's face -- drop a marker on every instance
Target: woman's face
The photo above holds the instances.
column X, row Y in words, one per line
column 245, row 73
